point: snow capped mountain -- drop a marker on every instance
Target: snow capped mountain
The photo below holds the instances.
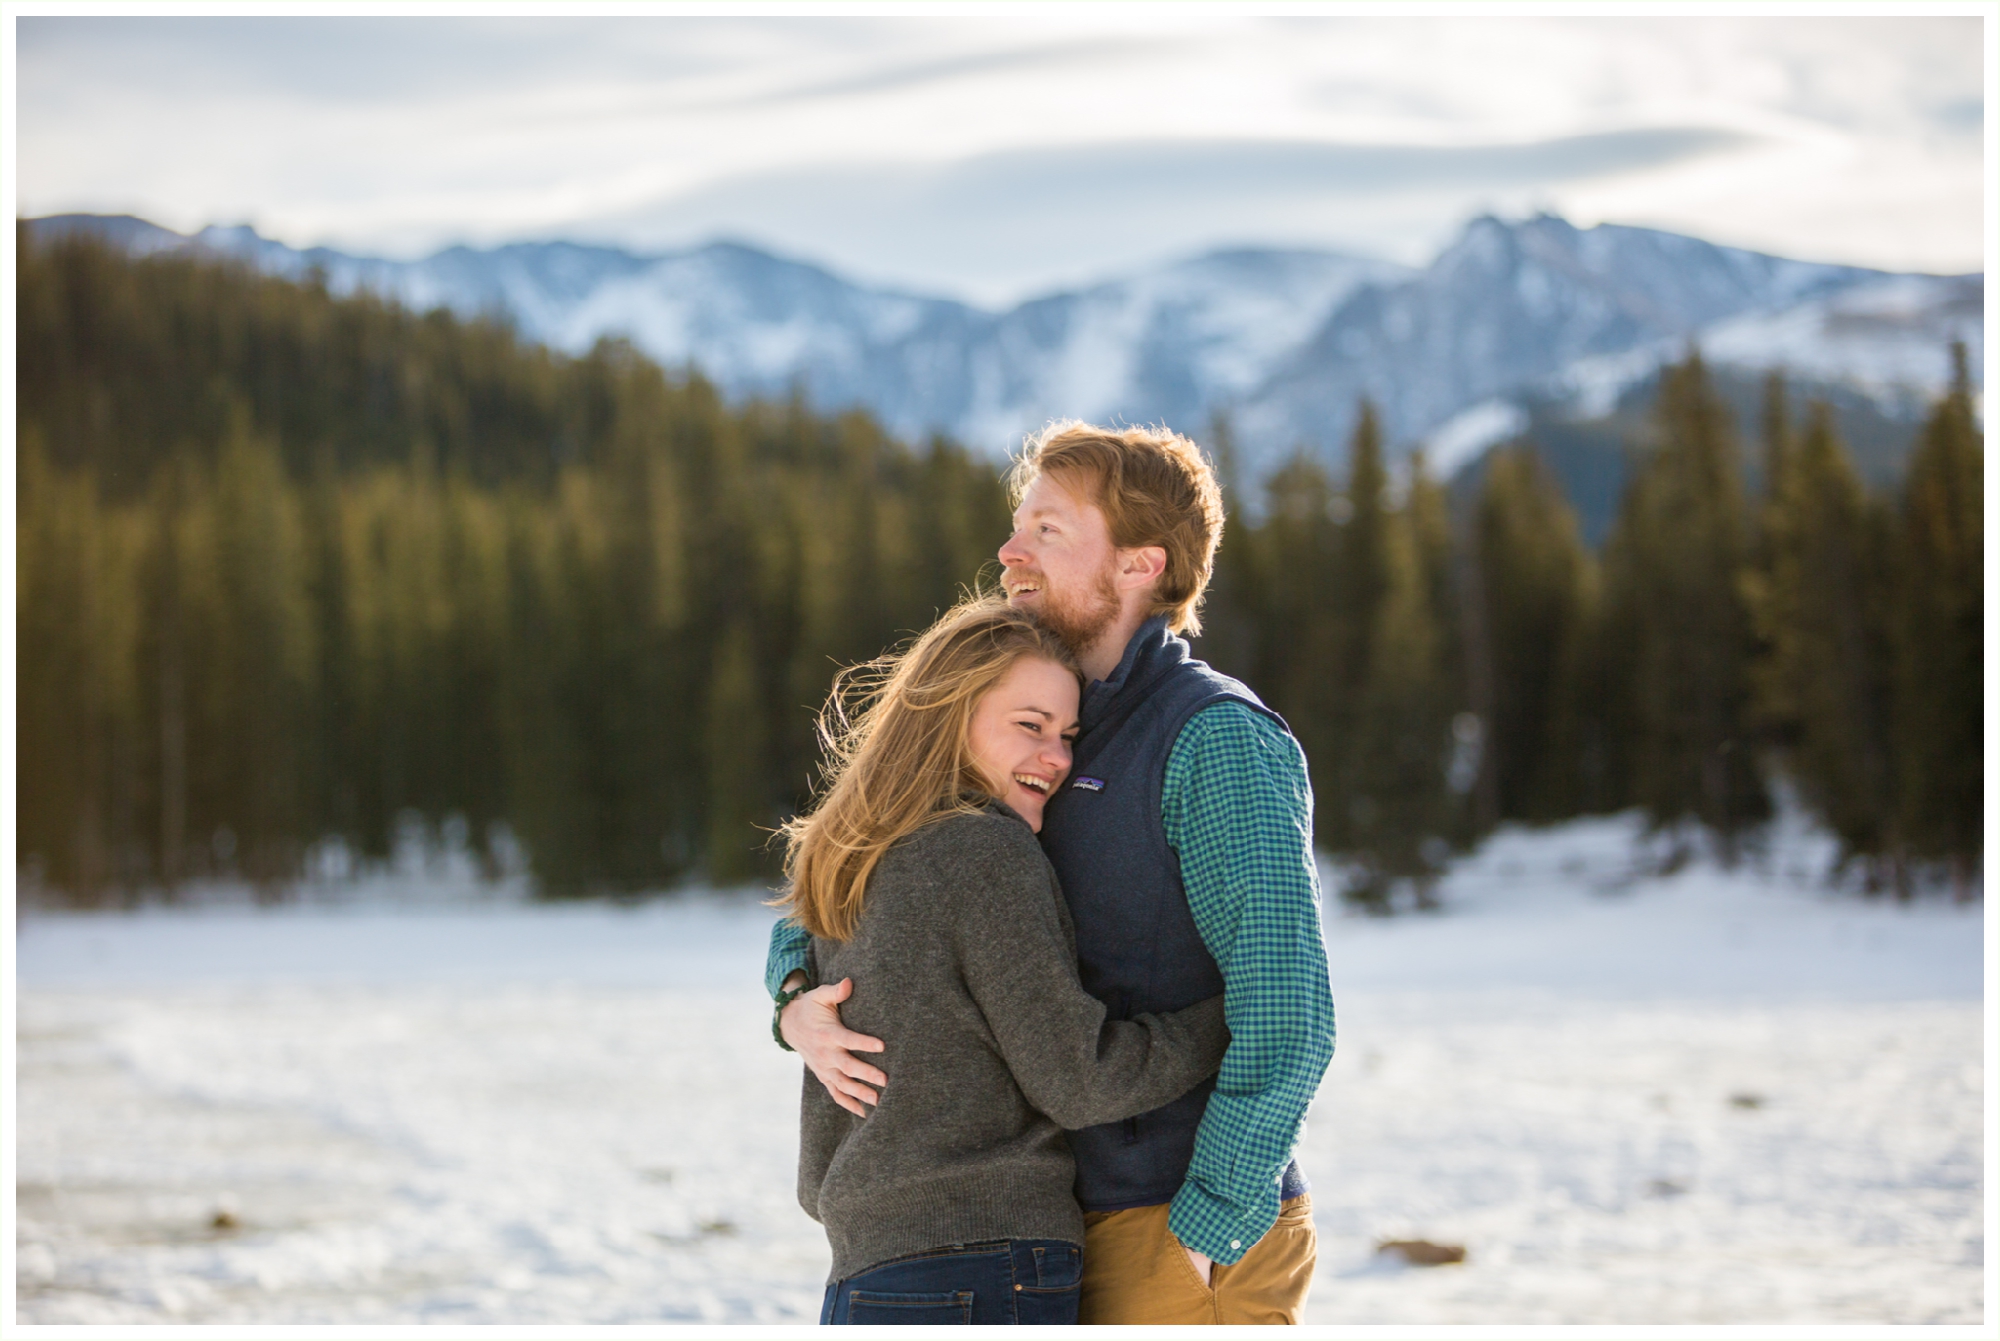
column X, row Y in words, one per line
column 1172, row 345
column 1508, row 307
column 1285, row 342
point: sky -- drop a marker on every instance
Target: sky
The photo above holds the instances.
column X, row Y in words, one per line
column 993, row 158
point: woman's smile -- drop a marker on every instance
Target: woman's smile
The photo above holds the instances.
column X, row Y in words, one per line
column 1020, row 735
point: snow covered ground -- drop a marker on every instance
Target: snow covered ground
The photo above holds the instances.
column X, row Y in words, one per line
column 1720, row 1097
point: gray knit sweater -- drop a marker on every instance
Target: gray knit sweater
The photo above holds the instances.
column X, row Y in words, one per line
column 964, row 965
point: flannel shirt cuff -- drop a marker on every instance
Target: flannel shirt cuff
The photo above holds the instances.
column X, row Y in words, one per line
column 1219, row 1229
column 786, row 956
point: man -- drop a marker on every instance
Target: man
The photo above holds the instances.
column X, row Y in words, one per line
column 1183, row 840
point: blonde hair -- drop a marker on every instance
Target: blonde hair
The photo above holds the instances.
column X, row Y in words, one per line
column 1154, row 487
column 897, row 735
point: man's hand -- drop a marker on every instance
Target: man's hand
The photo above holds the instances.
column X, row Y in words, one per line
column 811, row 1026
column 1202, row 1264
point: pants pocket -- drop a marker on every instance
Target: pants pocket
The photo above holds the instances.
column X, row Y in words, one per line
column 875, row 1308
column 1059, row 1267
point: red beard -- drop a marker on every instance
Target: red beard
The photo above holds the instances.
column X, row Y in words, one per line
column 1080, row 620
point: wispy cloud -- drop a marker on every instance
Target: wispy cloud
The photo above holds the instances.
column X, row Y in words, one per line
column 993, row 156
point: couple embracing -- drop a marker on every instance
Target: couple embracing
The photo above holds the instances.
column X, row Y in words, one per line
column 1059, row 884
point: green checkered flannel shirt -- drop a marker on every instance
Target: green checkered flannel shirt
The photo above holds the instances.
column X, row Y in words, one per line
column 1238, row 810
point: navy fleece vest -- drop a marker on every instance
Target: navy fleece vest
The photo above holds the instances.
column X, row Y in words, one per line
column 1136, row 941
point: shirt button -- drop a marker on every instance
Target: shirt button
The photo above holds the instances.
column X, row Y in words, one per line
column 1236, row 1243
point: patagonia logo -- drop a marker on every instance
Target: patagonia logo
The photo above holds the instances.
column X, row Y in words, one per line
column 1084, row 784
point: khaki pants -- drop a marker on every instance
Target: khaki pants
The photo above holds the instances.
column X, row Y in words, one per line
column 1135, row 1271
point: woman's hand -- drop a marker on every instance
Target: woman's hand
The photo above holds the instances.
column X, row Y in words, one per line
column 812, row 1028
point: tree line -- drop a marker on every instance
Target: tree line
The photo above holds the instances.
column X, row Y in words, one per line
column 294, row 566
column 1450, row 664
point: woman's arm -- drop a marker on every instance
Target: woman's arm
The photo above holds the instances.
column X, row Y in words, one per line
column 1019, row 963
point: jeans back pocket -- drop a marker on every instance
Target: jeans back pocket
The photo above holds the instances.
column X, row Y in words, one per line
column 876, row 1308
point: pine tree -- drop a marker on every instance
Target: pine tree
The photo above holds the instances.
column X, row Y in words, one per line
column 263, row 661
column 1820, row 603
column 1535, row 582
column 1400, row 806
column 1294, row 560
column 1229, row 637
column 1939, row 704
column 1674, row 564
column 1356, row 592
column 737, row 797
column 77, row 570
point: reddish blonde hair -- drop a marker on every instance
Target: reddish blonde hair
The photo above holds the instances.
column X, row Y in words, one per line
column 1153, row 486
column 897, row 732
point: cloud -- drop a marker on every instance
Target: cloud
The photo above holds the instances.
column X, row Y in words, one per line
column 994, row 221
column 988, row 156
column 910, row 75
column 365, row 60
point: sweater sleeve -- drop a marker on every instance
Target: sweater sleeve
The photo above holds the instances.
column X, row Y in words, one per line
column 1018, row 958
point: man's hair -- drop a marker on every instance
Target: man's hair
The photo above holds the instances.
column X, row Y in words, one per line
column 1153, row 486
column 897, row 732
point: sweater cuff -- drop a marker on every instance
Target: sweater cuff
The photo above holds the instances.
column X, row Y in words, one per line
column 1216, row 1227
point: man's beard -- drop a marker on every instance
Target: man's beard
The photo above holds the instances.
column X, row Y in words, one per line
column 1080, row 620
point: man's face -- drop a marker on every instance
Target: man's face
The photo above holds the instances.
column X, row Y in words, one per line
column 1060, row 563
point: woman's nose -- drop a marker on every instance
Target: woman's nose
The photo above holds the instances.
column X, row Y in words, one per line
column 1057, row 755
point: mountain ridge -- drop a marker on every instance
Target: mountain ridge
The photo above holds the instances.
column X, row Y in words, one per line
column 1284, row 341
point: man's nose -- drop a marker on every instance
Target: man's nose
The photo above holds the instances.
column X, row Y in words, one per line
column 1011, row 553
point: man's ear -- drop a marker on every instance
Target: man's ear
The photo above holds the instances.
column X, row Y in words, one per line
column 1140, row 567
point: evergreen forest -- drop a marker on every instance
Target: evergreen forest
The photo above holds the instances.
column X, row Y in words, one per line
column 296, row 569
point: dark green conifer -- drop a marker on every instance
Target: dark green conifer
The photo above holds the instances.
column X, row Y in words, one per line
column 1535, row 581
column 1301, row 620
column 1939, row 690
column 1400, row 803
column 1674, row 565
column 1820, row 604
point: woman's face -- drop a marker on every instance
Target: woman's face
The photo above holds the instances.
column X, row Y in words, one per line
column 1021, row 733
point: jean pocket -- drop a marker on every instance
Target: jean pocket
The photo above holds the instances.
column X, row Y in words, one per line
column 1058, row 1267
column 1052, row 1307
column 875, row 1308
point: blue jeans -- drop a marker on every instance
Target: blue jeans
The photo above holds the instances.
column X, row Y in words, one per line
column 1029, row 1281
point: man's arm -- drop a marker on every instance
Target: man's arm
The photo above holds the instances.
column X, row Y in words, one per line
column 810, row 1024
column 1237, row 809
column 791, row 946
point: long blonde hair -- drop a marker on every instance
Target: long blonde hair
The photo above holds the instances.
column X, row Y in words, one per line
column 896, row 732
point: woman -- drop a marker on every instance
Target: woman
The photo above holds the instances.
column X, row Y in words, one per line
column 920, row 879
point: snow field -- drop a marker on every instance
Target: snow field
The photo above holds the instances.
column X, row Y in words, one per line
column 1722, row 1097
